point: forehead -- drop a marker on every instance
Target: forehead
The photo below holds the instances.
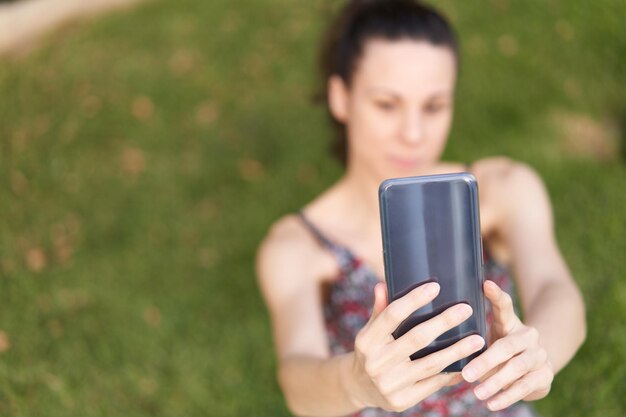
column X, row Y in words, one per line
column 405, row 66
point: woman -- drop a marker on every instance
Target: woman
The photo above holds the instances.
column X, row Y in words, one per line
column 390, row 67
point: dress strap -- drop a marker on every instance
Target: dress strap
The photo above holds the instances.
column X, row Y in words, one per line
column 343, row 255
column 317, row 233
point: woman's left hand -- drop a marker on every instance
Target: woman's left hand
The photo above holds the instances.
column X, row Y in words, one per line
column 515, row 366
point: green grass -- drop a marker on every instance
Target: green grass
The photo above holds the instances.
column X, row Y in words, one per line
column 144, row 154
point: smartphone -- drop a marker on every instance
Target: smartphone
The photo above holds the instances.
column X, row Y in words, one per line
column 431, row 233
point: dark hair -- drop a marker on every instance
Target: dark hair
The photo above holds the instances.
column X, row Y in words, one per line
column 362, row 20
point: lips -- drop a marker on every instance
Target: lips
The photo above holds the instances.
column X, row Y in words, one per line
column 404, row 163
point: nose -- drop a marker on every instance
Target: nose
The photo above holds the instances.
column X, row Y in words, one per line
column 412, row 127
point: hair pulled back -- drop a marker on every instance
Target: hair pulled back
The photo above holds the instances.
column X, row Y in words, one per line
column 363, row 20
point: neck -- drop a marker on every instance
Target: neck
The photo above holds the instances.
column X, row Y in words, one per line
column 361, row 188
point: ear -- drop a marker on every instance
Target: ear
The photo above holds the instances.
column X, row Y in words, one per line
column 338, row 98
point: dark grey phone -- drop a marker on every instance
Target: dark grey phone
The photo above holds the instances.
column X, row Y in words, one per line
column 431, row 232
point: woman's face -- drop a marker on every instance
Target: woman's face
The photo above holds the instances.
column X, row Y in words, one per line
column 398, row 108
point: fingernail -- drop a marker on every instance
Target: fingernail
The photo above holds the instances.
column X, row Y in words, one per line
column 493, row 404
column 477, row 342
column 481, row 393
column 464, row 310
column 469, row 374
column 431, row 288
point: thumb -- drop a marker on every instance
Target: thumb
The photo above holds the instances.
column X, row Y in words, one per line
column 504, row 315
column 380, row 300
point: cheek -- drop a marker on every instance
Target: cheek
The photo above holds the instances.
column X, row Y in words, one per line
column 371, row 128
column 370, row 138
column 438, row 129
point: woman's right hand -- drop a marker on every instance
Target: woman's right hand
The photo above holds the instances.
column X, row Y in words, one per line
column 384, row 374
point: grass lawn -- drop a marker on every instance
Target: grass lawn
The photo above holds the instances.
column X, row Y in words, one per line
column 144, row 154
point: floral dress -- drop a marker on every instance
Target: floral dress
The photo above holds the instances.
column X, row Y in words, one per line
column 347, row 307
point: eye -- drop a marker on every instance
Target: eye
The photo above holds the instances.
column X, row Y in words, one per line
column 435, row 107
column 385, row 105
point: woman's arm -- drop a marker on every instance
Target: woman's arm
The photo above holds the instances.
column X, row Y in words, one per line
column 309, row 378
column 527, row 355
column 550, row 299
column 378, row 373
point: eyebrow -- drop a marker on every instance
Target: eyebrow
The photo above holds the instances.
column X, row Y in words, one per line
column 384, row 90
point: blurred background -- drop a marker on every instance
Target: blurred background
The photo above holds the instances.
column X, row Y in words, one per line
column 145, row 152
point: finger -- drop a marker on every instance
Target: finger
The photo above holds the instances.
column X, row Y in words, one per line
column 436, row 362
column 499, row 352
column 488, row 374
column 504, row 315
column 408, row 397
column 514, row 369
column 380, row 303
column 458, row 378
column 428, row 386
column 424, row 333
column 397, row 311
column 380, row 300
column 407, row 374
column 524, row 387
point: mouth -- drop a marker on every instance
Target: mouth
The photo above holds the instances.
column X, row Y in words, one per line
column 404, row 163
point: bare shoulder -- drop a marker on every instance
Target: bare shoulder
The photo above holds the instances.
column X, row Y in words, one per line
column 286, row 231
column 285, row 240
column 498, row 170
column 512, row 191
column 288, row 257
column 503, row 179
